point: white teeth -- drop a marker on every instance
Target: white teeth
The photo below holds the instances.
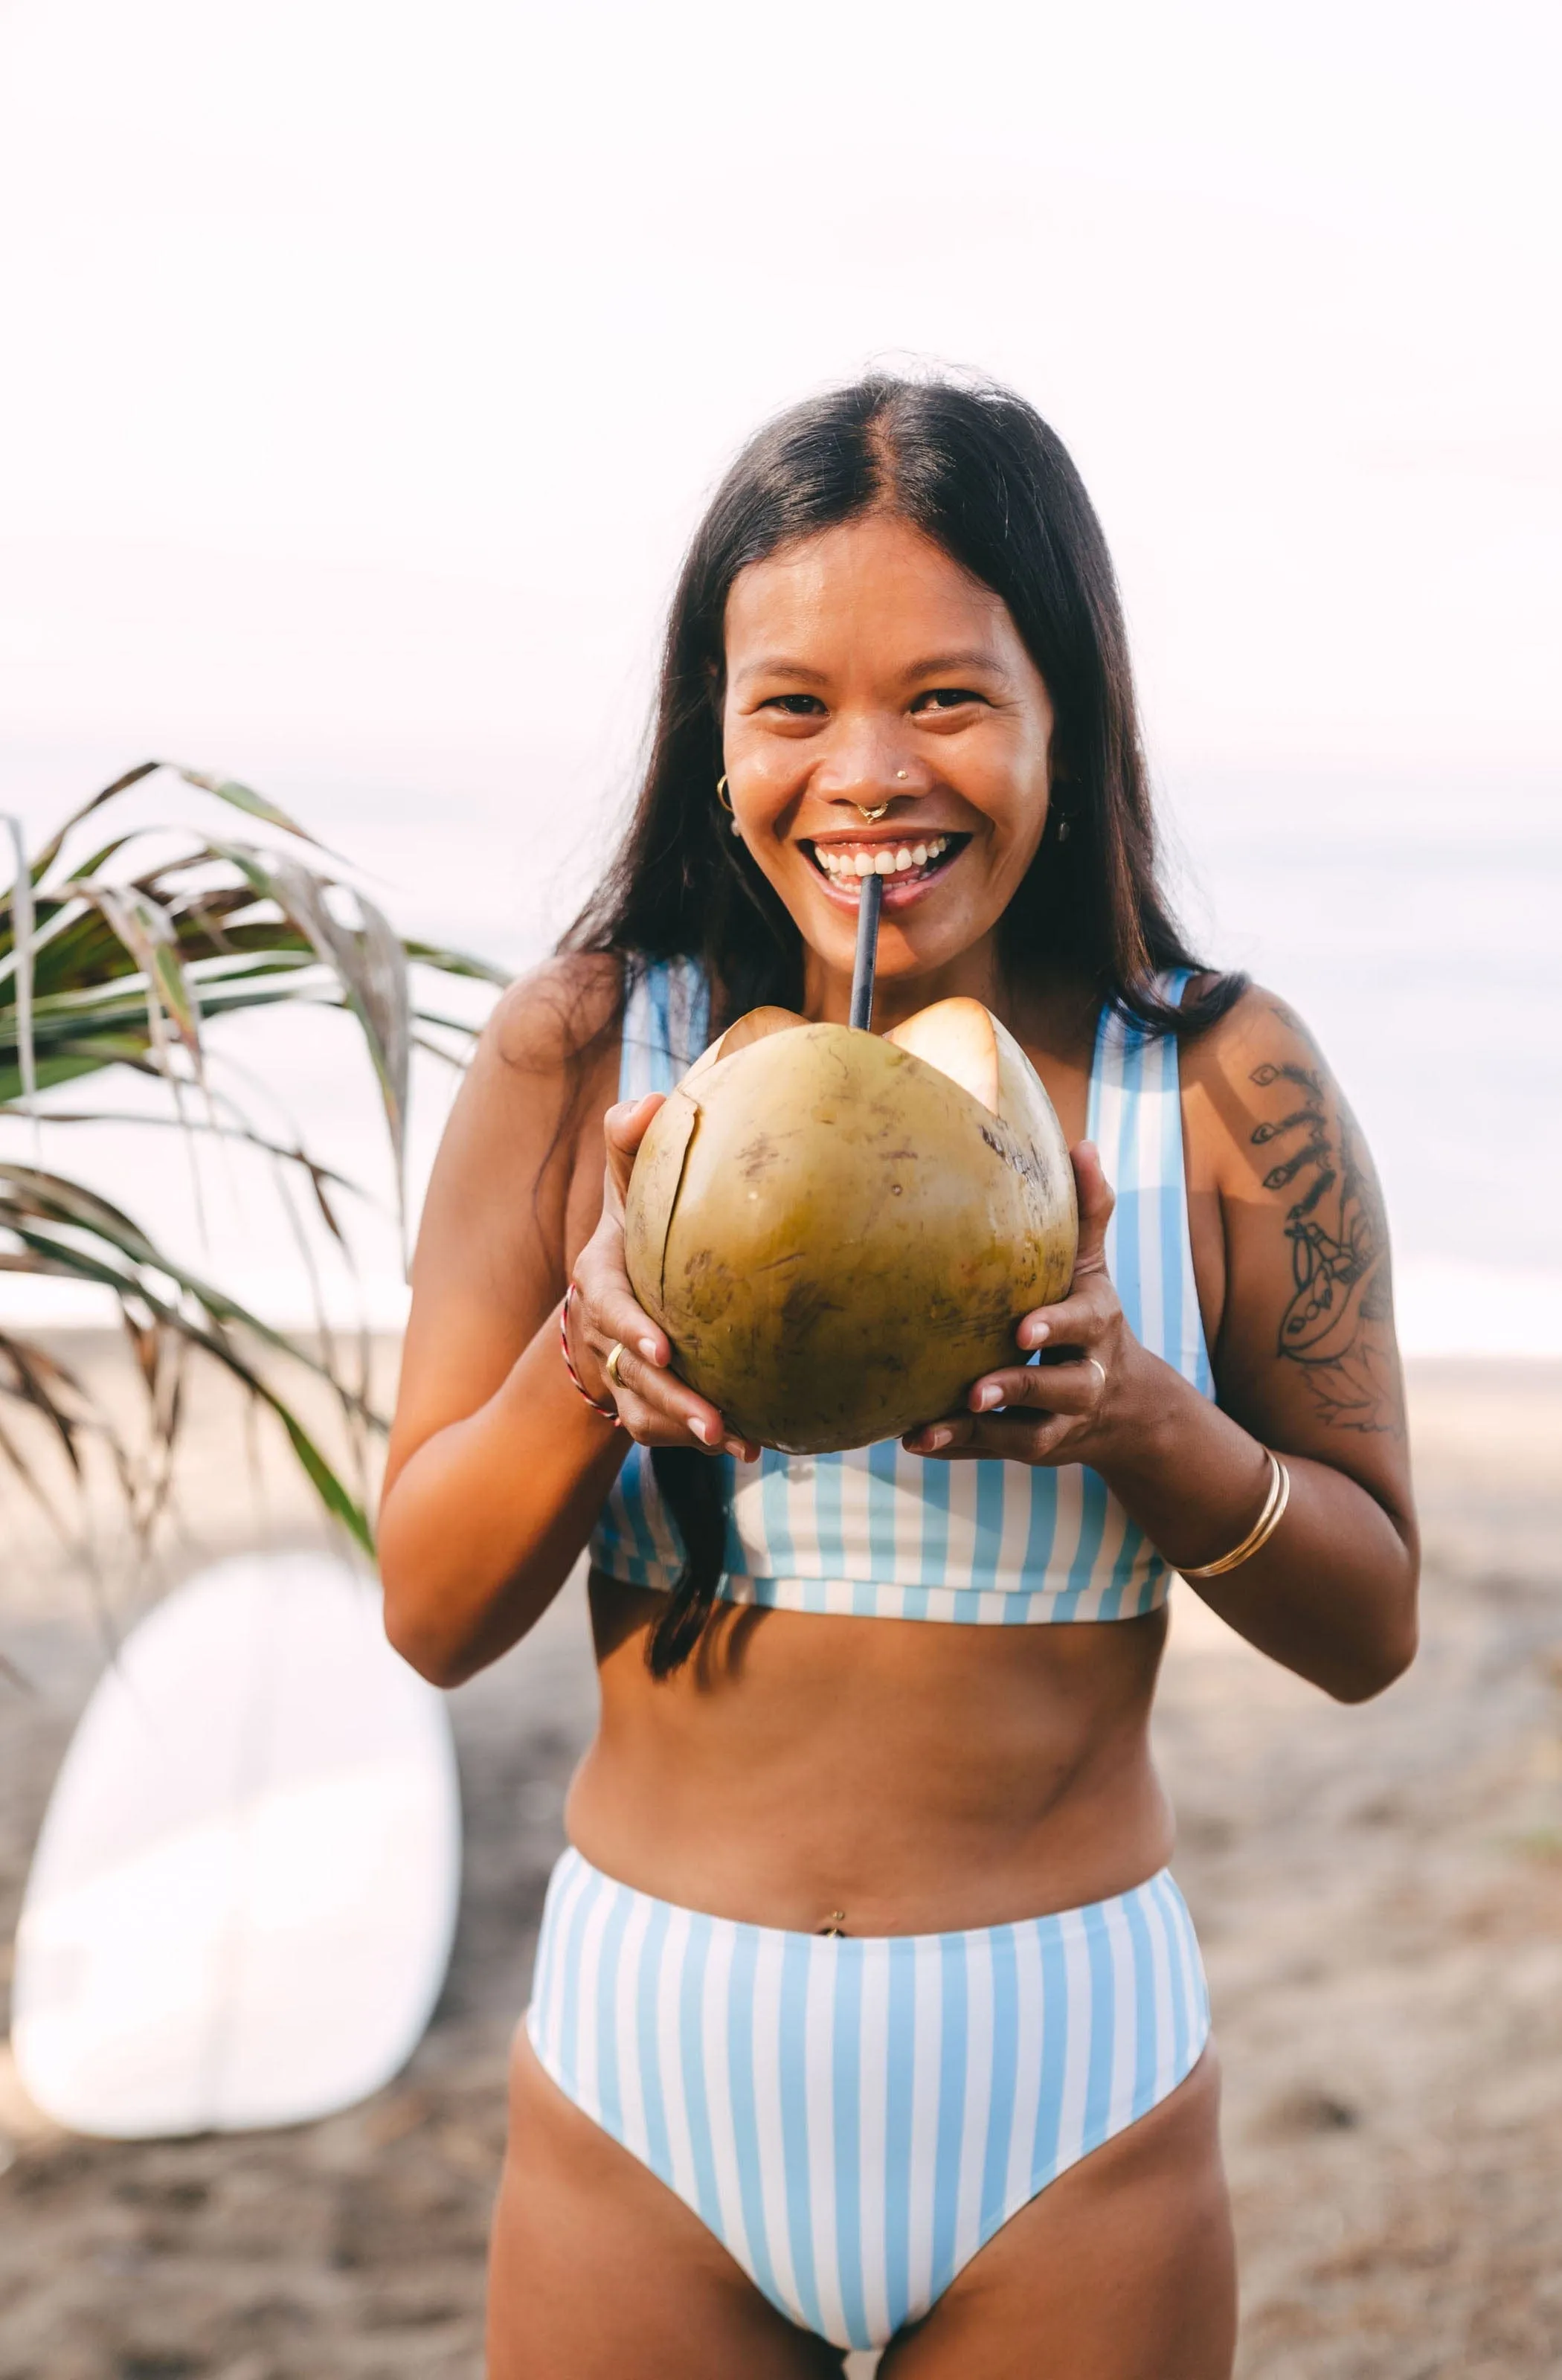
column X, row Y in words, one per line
column 886, row 860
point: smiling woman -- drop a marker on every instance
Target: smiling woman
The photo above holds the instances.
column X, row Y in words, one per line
column 866, row 2011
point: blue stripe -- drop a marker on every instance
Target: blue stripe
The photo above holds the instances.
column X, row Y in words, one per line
column 1144, row 2002
column 1174, row 1208
column 847, row 2110
column 1043, row 1523
column 1182, row 2015
column 660, row 1052
column 1122, row 1571
column 934, row 1560
column 1103, row 2024
column 1057, row 2052
column 1127, row 1264
column 1097, row 1065
column 608, row 2083
column 658, row 2140
column 1093, row 1527
column 880, row 1508
column 630, row 1487
column 901, row 2028
column 989, row 1532
column 794, row 2121
column 742, row 2060
column 829, row 1541
column 569, row 1979
column 954, row 1989
column 778, row 1517
column 1000, row 2099
column 692, row 2048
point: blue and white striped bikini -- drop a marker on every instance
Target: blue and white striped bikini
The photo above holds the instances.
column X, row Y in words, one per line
column 854, row 2118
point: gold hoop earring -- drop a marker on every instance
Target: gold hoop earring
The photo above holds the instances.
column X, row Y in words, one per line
column 722, row 796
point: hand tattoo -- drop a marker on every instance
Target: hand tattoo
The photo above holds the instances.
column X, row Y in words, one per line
column 1339, row 1322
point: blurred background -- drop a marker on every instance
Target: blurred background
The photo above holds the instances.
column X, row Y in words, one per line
column 368, row 367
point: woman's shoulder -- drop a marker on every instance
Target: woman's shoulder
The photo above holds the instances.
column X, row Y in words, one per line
column 1258, row 1021
column 558, row 1014
column 1255, row 1077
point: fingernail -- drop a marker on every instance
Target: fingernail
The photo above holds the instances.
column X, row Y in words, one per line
column 1032, row 1334
column 648, row 1349
column 985, row 1398
column 736, row 1448
column 704, row 1431
column 938, row 1437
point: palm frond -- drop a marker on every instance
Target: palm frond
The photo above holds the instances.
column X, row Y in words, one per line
column 122, row 958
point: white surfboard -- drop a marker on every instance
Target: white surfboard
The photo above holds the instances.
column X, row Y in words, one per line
column 242, row 1902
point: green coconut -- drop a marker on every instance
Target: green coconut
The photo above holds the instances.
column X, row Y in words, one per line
column 839, row 1231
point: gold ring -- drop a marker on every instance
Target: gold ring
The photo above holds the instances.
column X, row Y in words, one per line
column 611, row 1367
column 1092, row 1360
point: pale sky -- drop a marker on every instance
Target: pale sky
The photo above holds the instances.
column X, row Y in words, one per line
column 367, row 364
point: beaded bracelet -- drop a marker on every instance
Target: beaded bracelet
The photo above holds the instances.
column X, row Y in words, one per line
column 1262, row 1529
column 608, row 1412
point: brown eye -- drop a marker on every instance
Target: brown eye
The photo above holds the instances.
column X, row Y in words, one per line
column 945, row 697
column 796, row 705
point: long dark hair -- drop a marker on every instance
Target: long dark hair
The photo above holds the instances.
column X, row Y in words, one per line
column 979, row 472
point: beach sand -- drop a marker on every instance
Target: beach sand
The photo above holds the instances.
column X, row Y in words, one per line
column 1379, row 1893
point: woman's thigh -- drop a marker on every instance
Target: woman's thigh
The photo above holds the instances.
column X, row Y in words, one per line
column 598, row 2270
column 1122, row 2269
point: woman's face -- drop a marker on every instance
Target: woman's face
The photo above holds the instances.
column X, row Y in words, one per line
column 864, row 668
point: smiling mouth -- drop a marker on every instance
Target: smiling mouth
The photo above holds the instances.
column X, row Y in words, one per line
column 907, row 864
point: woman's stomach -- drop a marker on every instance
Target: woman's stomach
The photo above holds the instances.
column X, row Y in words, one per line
column 882, row 1776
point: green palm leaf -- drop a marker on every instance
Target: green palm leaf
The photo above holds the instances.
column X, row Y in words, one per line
column 121, row 961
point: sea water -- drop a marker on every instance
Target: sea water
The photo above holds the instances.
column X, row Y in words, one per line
column 1415, row 926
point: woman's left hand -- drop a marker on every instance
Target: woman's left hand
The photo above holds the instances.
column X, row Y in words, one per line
column 1059, row 1411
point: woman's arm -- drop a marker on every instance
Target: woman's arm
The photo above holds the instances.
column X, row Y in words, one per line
column 1304, row 1356
column 497, row 1468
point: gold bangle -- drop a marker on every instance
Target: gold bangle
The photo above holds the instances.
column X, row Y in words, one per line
column 1264, row 1528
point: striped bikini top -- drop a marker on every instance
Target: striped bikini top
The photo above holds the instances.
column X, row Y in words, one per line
column 893, row 1535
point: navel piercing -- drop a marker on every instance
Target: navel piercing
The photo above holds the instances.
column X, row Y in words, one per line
column 837, row 1922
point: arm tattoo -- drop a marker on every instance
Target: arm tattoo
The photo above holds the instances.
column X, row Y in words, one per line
column 1338, row 1325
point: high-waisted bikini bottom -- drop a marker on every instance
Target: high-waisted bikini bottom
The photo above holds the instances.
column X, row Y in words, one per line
column 854, row 2117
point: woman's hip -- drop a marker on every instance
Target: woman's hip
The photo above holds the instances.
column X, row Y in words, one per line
column 855, row 2116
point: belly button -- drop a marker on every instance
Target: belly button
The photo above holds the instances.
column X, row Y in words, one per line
column 834, row 1924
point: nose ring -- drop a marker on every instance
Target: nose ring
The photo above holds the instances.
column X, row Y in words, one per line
column 871, row 815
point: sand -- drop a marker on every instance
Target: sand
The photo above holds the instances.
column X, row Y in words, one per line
column 1379, row 1892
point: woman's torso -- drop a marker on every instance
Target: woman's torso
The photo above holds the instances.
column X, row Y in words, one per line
column 865, row 1729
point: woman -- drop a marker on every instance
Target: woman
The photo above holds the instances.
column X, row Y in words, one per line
column 866, row 2013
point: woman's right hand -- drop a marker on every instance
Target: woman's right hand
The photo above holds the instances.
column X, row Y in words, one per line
column 653, row 1404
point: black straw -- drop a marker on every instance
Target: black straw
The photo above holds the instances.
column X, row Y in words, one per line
column 869, row 900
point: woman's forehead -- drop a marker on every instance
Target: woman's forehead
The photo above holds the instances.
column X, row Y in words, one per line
column 875, row 581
